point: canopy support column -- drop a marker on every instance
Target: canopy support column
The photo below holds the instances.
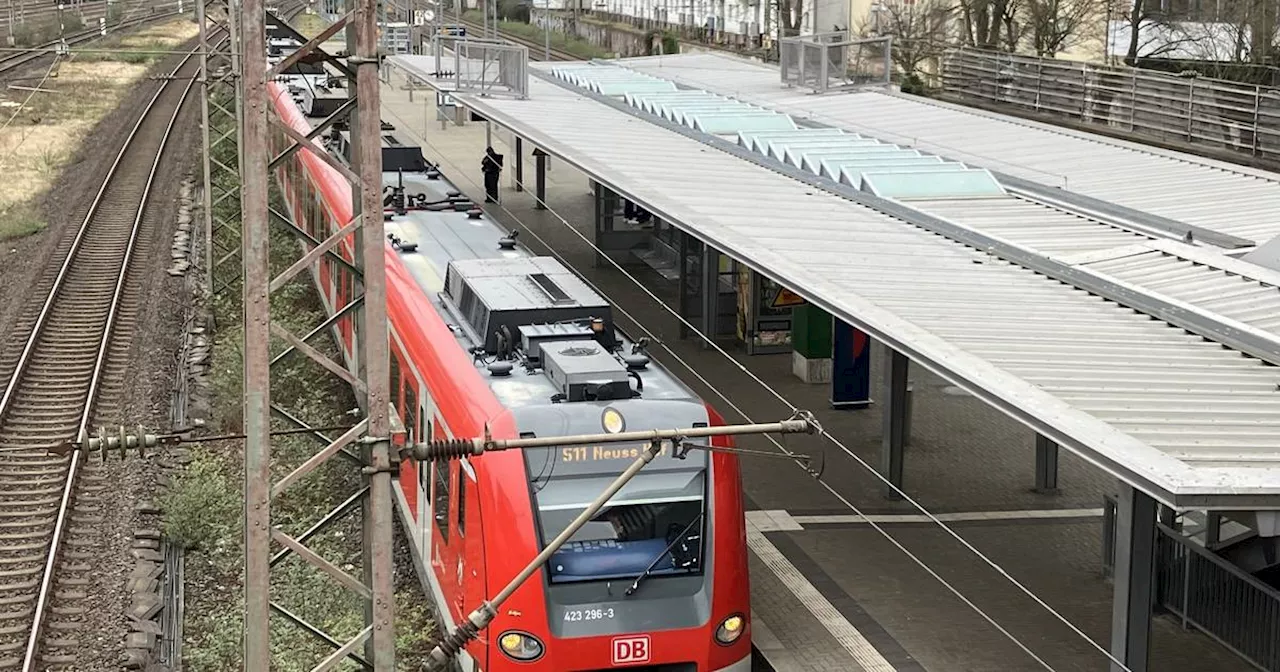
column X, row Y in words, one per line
column 1134, row 579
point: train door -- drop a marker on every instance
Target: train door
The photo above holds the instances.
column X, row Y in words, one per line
column 443, row 549
column 465, row 484
column 470, row 529
column 424, row 497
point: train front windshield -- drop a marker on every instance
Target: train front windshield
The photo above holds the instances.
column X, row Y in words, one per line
column 656, row 525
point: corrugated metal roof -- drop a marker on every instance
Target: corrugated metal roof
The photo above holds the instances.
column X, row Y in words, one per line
column 1175, row 185
column 827, row 155
column 1186, row 419
column 1045, row 230
column 1228, row 287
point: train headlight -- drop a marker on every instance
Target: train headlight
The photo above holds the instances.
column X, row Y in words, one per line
column 730, row 630
column 612, row 421
column 520, row 646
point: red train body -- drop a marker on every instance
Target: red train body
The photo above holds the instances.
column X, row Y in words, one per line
column 485, row 334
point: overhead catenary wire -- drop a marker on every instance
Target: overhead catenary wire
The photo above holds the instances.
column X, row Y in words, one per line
column 839, row 444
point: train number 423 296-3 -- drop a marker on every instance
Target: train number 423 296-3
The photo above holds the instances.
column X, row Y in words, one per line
column 588, row 614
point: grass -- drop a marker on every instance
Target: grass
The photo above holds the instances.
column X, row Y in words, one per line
column 572, row 44
column 141, row 47
column 20, row 220
column 43, row 130
column 203, row 509
column 41, row 31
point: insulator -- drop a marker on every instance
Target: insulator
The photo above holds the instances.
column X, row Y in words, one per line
column 451, row 645
column 448, row 449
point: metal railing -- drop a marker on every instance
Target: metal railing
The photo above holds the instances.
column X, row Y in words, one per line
column 823, row 61
column 1221, row 600
column 482, row 65
column 1209, row 113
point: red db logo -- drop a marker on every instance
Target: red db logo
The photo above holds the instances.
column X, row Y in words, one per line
column 630, row 650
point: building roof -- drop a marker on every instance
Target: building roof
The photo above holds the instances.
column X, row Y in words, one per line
column 1185, row 419
column 1174, row 185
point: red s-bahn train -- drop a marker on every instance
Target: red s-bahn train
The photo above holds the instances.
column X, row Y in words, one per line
column 484, row 333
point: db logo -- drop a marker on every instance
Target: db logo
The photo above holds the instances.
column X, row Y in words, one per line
column 628, row 650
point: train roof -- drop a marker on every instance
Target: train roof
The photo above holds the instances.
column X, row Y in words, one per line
column 480, row 283
column 541, row 338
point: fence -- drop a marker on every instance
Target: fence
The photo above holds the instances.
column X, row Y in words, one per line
column 1218, row 599
column 822, row 61
column 1207, row 113
column 1208, row 593
column 480, row 65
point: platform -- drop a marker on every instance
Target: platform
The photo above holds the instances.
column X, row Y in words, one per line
column 820, row 573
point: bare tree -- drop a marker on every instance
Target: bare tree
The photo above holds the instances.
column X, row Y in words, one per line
column 921, row 30
column 991, row 24
column 1057, row 25
column 1254, row 21
column 1157, row 31
column 790, row 17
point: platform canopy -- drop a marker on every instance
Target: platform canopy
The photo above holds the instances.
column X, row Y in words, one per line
column 1175, row 185
column 1185, row 419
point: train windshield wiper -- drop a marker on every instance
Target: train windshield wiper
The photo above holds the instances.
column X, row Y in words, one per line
column 635, row 585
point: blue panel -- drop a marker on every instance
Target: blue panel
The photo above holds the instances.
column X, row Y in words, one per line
column 850, row 366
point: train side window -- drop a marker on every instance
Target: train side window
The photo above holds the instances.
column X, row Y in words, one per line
column 462, row 501
column 397, row 399
column 410, row 411
column 422, row 473
column 441, row 502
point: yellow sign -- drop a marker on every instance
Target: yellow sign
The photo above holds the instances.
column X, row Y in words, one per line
column 593, row 453
column 787, row 299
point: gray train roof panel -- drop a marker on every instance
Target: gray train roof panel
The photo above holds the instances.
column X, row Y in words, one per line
column 1186, row 419
column 1174, row 185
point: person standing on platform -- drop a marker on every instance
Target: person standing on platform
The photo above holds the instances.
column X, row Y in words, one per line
column 491, row 165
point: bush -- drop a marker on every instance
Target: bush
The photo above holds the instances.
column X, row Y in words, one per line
column 202, row 508
column 912, row 84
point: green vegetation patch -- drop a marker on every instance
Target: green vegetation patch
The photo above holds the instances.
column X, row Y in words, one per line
column 42, row 31
column 204, row 507
column 19, row 220
column 560, row 41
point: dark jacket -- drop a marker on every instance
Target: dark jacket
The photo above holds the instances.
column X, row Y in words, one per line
column 492, row 162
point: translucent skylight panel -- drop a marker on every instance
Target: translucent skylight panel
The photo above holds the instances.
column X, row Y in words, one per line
column 725, row 124
column 632, row 86
column 810, row 158
column 759, row 141
column 850, row 171
column 681, row 113
column 651, row 100
column 888, row 153
column 786, row 150
column 939, row 184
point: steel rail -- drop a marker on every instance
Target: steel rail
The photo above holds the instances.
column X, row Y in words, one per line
column 32, row 650
column 11, row 387
column 533, row 46
column 22, row 58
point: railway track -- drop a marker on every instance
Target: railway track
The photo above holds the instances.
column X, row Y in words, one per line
column 26, row 14
column 63, row 377
column 536, row 48
column 12, row 60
